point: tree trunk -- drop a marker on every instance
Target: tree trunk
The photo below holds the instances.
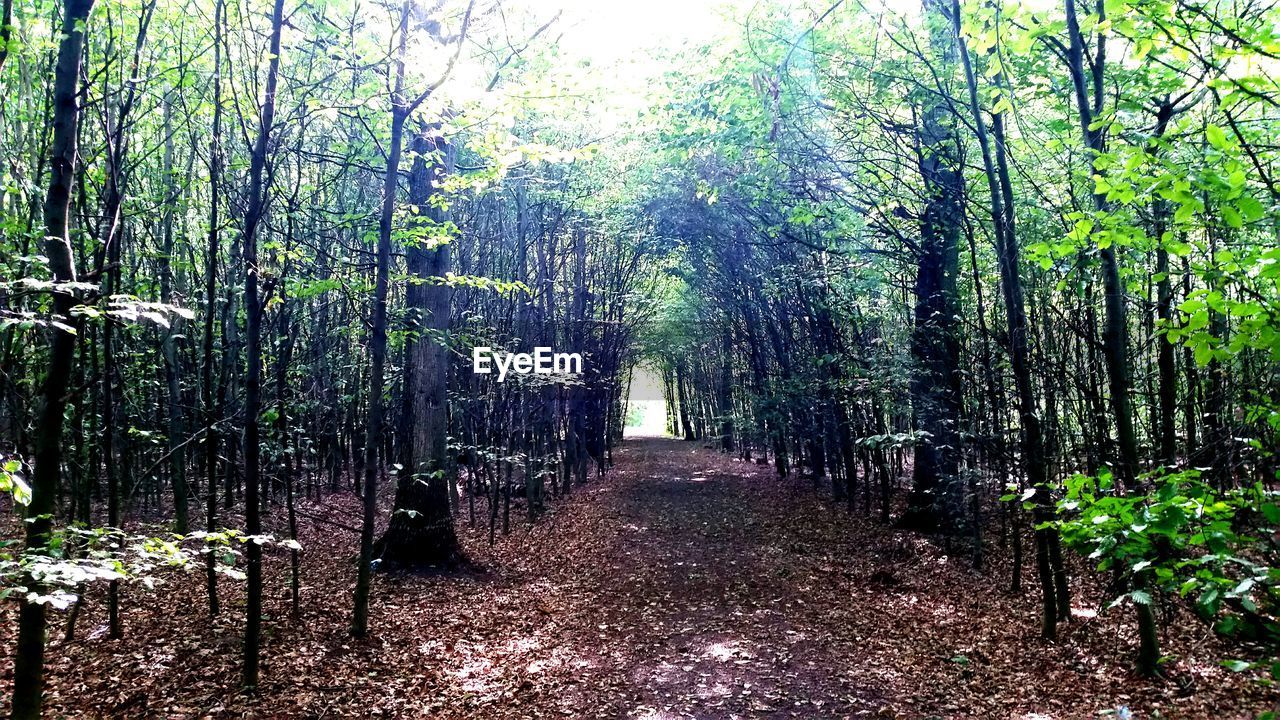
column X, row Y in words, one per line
column 28, row 671
column 257, row 192
column 172, row 373
column 1166, row 365
column 1115, row 333
column 420, row 532
column 725, row 396
column 1008, row 251
column 936, row 502
column 207, row 389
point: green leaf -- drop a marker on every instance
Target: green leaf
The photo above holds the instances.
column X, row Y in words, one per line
column 1203, row 354
column 1209, row 601
column 1216, row 136
column 21, row 490
column 1250, row 208
column 1271, row 512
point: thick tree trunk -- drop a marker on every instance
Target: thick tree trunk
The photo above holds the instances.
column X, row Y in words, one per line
column 936, row 501
column 420, row 532
column 28, row 671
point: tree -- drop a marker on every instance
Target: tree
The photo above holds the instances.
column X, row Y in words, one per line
column 212, row 249
column 420, row 531
column 28, row 672
column 936, row 499
column 1000, row 188
column 256, row 210
column 402, row 107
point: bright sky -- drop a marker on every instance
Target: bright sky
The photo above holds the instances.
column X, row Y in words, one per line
column 630, row 43
column 614, row 30
column 626, row 44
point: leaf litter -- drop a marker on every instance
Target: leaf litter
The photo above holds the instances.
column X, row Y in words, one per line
column 686, row 585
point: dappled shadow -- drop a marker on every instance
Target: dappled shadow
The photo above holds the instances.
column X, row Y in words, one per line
column 706, row 598
column 685, row 586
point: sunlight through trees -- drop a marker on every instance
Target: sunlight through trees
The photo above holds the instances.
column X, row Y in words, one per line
column 994, row 284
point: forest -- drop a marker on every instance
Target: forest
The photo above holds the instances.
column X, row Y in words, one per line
column 682, row 359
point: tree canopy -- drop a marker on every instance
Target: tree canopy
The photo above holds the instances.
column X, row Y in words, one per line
column 990, row 273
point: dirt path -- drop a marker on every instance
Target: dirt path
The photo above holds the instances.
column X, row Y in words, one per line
column 705, row 601
column 684, row 586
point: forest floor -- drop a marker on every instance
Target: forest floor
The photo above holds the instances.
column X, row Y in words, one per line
column 684, row 585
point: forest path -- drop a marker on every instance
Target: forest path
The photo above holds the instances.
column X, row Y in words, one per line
column 708, row 606
column 684, row 585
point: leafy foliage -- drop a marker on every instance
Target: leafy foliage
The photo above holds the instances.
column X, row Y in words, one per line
column 1183, row 537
